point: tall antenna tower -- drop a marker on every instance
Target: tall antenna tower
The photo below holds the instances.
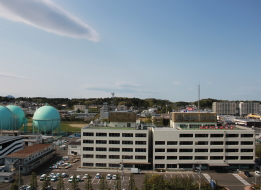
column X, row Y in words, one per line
column 198, row 96
column 112, row 97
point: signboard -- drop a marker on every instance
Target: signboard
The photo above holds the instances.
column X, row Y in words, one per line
column 231, row 127
column 190, row 109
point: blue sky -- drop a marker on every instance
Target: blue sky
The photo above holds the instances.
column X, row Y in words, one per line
column 144, row 49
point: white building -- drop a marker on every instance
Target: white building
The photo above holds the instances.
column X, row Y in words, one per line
column 249, row 107
column 108, row 147
column 74, row 148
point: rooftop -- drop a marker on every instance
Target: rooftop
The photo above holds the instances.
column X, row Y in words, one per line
column 4, row 139
column 28, row 151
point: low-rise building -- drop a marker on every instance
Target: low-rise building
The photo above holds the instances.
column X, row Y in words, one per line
column 74, row 148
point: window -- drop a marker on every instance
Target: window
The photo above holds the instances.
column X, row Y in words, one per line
column 246, row 142
column 201, row 157
column 114, row 165
column 172, row 142
column 87, row 148
column 159, row 142
column 127, row 134
column 216, row 143
column 201, row 135
column 159, row 149
column 216, row 135
column 185, row 135
column 88, row 134
column 201, row 143
column 127, row 142
column 159, row 165
column 216, row 157
column 201, row 150
column 114, row 134
column 216, row 150
column 185, row 157
column 87, row 164
column 99, row 156
column 114, row 157
column 127, row 157
column 231, row 150
column 114, row 149
column 101, row 142
column 186, row 143
column 140, row 142
column 127, row 149
column 246, row 157
column 171, row 157
column 171, row 150
column 232, row 135
column 140, row 149
column 159, row 157
column 246, row 135
column 114, row 142
column 171, row 165
column 100, row 164
column 231, row 157
column 101, row 134
column 101, row 149
column 88, row 141
column 247, row 150
column 232, row 143
column 140, row 135
column 186, row 150
column 87, row 155
column 140, row 157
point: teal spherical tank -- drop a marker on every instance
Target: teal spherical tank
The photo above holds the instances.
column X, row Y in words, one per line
column 19, row 116
column 46, row 119
column 6, row 119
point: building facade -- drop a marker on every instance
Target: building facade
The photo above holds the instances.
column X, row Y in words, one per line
column 74, row 148
column 108, row 147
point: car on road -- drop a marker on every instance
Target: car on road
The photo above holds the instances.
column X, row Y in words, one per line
column 70, row 179
column 85, row 176
column 114, row 177
column 98, row 176
column 108, row 177
column 247, row 174
column 257, row 173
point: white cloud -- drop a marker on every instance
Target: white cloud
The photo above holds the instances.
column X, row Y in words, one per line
column 11, row 76
column 46, row 15
column 177, row 83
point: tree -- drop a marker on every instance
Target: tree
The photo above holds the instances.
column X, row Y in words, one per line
column 258, row 150
column 19, row 180
column 117, row 183
column 46, row 183
column 14, row 186
column 157, row 182
column 74, row 185
column 131, row 184
column 146, row 183
column 103, row 183
column 88, row 183
column 60, row 184
column 33, row 182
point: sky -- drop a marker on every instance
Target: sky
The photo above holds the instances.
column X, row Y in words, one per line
column 143, row 49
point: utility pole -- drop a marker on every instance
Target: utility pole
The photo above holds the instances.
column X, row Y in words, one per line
column 198, row 96
column 122, row 174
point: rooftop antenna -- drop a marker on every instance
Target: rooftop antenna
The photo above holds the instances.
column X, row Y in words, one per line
column 198, row 96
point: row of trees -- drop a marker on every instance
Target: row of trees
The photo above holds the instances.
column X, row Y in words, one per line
column 150, row 182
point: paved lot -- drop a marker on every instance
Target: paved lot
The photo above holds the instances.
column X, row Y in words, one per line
column 231, row 181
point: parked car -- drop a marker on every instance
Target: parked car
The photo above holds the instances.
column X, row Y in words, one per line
column 54, row 178
column 58, row 175
column 108, row 177
column 247, row 174
column 64, row 175
column 114, row 177
column 98, row 176
column 78, row 178
column 257, row 173
column 85, row 176
column 70, row 179
column 42, row 177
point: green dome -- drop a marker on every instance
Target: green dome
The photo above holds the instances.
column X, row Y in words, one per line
column 19, row 113
column 6, row 119
column 46, row 118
